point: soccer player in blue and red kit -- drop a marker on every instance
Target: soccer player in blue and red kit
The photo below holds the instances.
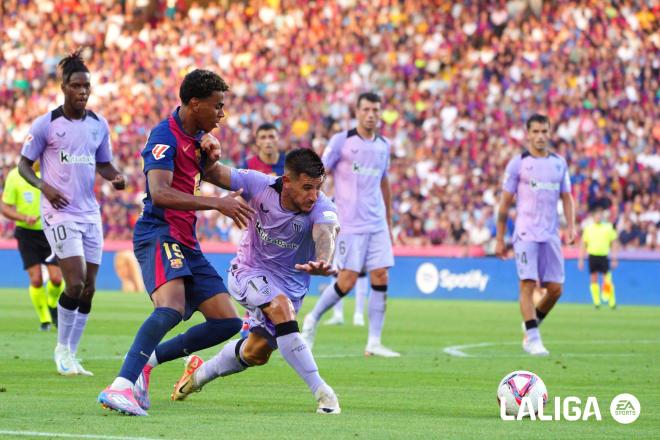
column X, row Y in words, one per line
column 178, row 277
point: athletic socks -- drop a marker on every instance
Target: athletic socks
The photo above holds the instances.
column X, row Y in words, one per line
column 66, row 317
column 361, row 291
column 53, row 293
column 81, row 316
column 532, row 330
column 154, row 328
column 377, row 306
column 205, row 335
column 40, row 303
column 297, row 354
column 330, row 296
column 227, row 361
column 608, row 290
column 595, row 293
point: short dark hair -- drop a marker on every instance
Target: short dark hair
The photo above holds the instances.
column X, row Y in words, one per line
column 368, row 96
column 201, row 84
column 304, row 161
column 72, row 64
column 266, row 126
column 536, row 117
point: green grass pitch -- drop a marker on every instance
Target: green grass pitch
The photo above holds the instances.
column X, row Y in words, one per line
column 427, row 393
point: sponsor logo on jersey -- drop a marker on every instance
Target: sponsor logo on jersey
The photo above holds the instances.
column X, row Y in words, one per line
column 72, row 159
column 548, row 186
column 158, row 151
column 330, row 215
column 366, row 171
column 263, row 235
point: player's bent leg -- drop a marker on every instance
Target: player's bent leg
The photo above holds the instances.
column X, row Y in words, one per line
column 298, row 354
column 330, row 296
column 169, row 305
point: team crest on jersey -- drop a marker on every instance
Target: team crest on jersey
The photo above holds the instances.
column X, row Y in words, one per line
column 176, row 263
column 159, row 150
column 297, row 226
column 95, row 134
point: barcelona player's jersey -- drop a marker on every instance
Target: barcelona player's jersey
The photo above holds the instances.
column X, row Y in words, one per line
column 170, row 148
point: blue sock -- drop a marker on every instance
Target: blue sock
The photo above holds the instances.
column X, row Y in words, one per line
column 156, row 326
column 205, row 335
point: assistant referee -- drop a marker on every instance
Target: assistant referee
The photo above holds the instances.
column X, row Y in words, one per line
column 21, row 203
column 599, row 239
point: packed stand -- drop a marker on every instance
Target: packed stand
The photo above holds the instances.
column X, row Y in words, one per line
column 458, row 82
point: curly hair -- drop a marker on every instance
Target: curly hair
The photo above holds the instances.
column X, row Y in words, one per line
column 72, row 64
column 201, row 84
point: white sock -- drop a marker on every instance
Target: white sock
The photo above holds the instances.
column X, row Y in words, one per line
column 121, row 383
column 533, row 334
column 77, row 331
column 296, row 352
column 338, row 310
column 377, row 303
column 153, row 361
column 361, row 291
column 327, row 300
column 65, row 320
column 222, row 364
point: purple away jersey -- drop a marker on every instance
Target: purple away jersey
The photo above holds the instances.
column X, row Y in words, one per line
column 358, row 166
column 537, row 183
column 69, row 150
column 277, row 239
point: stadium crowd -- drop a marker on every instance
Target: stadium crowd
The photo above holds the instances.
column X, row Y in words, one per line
column 458, row 82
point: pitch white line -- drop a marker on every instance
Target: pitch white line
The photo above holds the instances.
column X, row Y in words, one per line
column 459, row 350
column 65, row 435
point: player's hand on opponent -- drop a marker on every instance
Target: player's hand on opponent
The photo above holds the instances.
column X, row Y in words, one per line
column 500, row 248
column 211, row 146
column 235, row 208
column 56, row 199
column 119, row 182
column 317, row 268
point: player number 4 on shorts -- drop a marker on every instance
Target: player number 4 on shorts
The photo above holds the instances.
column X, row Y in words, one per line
column 175, row 249
column 522, row 257
column 59, row 233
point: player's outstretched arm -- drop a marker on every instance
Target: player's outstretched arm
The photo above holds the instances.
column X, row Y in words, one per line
column 110, row 173
column 324, row 235
column 164, row 196
column 218, row 174
column 56, row 199
column 502, row 214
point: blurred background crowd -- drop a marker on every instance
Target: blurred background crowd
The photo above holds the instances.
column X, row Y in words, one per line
column 458, row 81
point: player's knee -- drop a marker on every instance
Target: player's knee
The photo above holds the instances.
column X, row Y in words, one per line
column 255, row 357
column 75, row 288
column 36, row 281
column 88, row 293
column 554, row 291
column 379, row 277
column 346, row 280
column 280, row 309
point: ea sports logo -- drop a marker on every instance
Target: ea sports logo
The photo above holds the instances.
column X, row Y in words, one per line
column 625, row 408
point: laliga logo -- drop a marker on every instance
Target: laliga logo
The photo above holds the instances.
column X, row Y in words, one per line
column 570, row 409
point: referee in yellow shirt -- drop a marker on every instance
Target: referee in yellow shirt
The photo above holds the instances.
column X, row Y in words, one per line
column 599, row 239
column 21, row 203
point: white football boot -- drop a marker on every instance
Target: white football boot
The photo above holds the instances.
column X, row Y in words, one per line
column 64, row 361
column 535, row 347
column 378, row 349
column 327, row 399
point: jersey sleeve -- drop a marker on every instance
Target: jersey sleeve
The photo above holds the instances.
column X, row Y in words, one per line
column 585, row 234
column 325, row 212
column 512, row 175
column 251, row 181
column 332, row 152
column 387, row 159
column 104, row 152
column 160, row 150
column 37, row 138
column 566, row 180
column 9, row 191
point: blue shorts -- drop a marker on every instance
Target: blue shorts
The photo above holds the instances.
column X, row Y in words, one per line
column 163, row 258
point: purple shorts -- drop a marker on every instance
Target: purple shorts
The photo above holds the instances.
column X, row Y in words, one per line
column 540, row 261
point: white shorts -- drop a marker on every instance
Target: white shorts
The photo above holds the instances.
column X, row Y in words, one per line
column 253, row 291
column 72, row 239
column 364, row 252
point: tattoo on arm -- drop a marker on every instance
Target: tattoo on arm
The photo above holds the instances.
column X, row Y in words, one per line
column 324, row 241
